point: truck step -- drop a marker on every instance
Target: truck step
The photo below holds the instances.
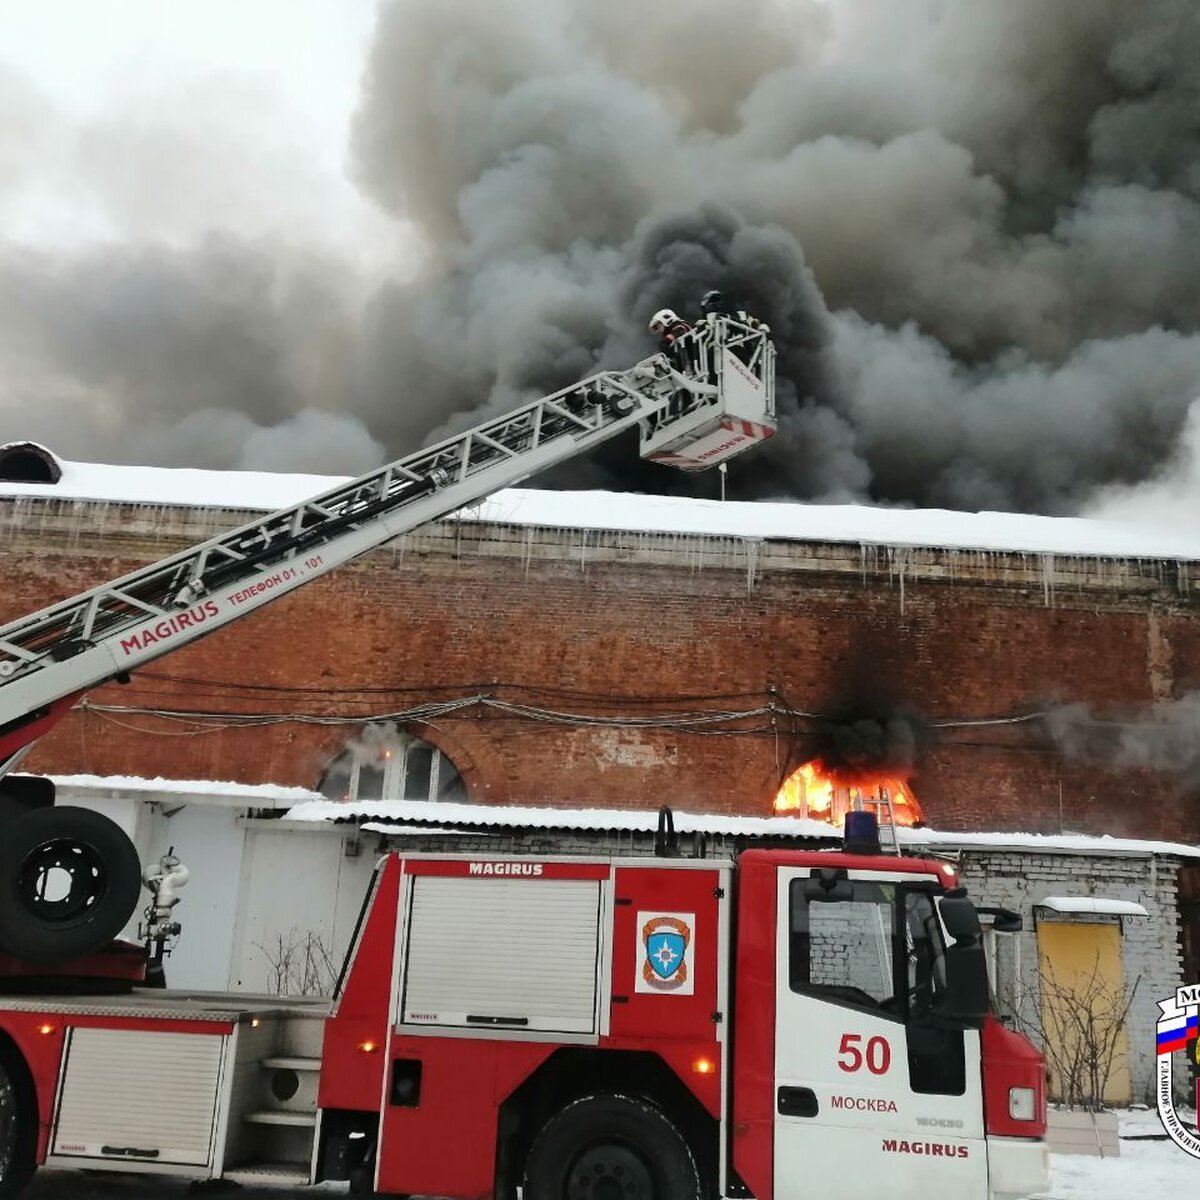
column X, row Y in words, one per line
column 291, row 1064
column 274, row 1116
column 269, row 1174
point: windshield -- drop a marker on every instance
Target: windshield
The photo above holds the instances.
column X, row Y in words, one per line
column 874, row 941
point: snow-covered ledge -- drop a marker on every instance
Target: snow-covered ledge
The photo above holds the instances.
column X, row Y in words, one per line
column 1093, row 905
column 216, row 794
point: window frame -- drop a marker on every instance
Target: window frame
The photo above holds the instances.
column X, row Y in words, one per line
column 902, row 1006
column 796, row 889
column 394, row 771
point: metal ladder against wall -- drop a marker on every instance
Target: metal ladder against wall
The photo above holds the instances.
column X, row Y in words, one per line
column 885, row 802
column 49, row 658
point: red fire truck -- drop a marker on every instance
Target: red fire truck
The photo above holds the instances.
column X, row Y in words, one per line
column 563, row 1028
column 560, row 1028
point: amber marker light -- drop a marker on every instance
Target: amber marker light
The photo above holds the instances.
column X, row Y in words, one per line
column 704, row 1066
column 254, row 1022
column 368, row 1047
column 46, row 1029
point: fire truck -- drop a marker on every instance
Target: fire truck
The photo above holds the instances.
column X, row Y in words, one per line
column 559, row 1028
column 549, row 1027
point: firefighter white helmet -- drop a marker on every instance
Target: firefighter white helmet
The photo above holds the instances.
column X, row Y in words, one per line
column 662, row 320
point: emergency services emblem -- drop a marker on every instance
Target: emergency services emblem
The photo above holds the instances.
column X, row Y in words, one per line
column 665, row 953
column 1178, row 1029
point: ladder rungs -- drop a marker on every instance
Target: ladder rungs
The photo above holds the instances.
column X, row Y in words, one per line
column 274, row 1116
column 291, row 1064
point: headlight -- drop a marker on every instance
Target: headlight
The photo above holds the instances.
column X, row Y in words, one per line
column 1022, row 1104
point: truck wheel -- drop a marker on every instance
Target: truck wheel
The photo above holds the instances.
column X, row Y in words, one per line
column 611, row 1148
column 69, row 880
column 17, row 1131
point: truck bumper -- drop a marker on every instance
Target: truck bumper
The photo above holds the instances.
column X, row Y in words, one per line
column 1018, row 1168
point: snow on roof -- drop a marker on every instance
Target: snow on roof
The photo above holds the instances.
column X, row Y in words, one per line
column 268, row 795
column 592, row 820
column 1045, row 843
column 627, row 511
column 443, row 817
column 409, row 813
column 187, row 488
column 1092, row 904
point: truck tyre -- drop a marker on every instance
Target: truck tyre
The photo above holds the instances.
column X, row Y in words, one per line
column 18, row 1127
column 611, row 1148
column 69, row 881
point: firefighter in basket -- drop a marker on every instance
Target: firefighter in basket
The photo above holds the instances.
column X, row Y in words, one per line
column 671, row 329
column 674, row 341
column 714, row 304
column 717, row 304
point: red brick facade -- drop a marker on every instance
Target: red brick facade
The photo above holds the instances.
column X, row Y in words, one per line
column 625, row 625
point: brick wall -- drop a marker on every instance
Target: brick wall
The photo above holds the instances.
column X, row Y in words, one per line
column 1149, row 945
column 624, row 623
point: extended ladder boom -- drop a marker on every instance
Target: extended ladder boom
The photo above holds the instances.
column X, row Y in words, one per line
column 50, row 658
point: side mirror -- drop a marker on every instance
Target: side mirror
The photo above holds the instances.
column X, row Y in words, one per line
column 959, row 916
column 967, row 998
column 1004, row 920
column 967, row 994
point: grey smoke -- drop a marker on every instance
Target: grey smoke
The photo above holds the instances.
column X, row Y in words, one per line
column 1164, row 736
column 973, row 226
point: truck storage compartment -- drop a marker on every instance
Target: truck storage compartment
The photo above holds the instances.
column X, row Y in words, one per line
column 516, row 954
column 139, row 1097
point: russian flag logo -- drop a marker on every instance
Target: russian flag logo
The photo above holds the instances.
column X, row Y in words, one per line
column 1182, row 1032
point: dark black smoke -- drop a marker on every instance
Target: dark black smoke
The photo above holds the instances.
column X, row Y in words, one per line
column 865, row 744
column 974, row 228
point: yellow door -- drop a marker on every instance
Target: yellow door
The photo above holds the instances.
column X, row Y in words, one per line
column 1083, row 1010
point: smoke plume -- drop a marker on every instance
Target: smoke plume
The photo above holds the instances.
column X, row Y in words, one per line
column 973, row 228
column 1163, row 737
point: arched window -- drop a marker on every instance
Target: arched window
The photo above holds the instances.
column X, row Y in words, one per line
column 389, row 764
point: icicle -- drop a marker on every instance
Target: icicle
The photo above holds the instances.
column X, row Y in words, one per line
column 1048, row 580
column 751, row 563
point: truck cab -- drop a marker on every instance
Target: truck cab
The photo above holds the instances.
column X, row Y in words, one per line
column 571, row 1026
column 881, row 1061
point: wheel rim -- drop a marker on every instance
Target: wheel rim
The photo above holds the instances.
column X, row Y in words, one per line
column 60, row 880
column 610, row 1173
column 8, row 1124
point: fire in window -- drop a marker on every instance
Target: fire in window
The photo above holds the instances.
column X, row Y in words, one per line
column 816, row 792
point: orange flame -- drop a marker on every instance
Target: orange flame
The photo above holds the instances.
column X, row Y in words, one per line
column 820, row 795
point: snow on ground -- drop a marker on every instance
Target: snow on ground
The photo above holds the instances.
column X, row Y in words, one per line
column 1150, row 1165
column 631, row 512
column 1145, row 1170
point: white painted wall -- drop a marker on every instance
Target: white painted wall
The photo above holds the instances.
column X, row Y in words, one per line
column 253, row 885
column 295, row 884
column 210, row 842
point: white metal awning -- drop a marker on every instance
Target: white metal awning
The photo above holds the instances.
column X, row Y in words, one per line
column 1093, row 904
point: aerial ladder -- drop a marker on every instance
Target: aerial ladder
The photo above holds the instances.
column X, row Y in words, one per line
column 69, row 878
